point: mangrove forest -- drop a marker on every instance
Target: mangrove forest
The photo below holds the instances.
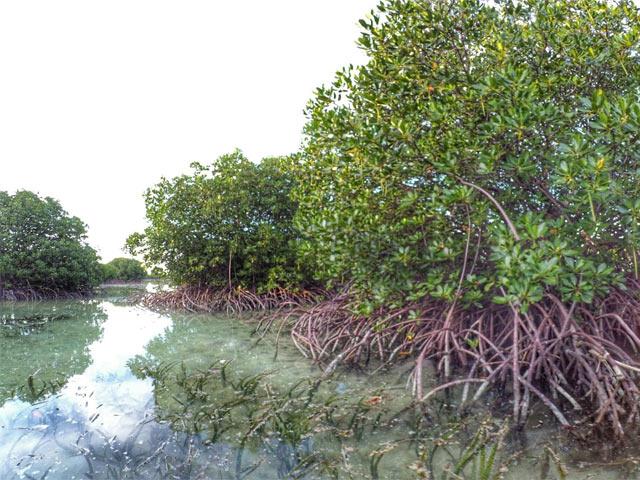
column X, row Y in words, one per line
column 467, row 198
column 443, row 282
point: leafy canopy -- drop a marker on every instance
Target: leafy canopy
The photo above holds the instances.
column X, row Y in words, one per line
column 224, row 225
column 42, row 247
column 488, row 151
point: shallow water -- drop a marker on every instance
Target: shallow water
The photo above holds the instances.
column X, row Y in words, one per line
column 99, row 392
column 71, row 406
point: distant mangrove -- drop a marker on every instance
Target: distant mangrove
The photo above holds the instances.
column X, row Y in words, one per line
column 123, row 270
column 43, row 250
column 228, row 230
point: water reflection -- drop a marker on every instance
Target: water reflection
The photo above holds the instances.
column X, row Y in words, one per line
column 42, row 345
column 102, row 423
column 100, row 412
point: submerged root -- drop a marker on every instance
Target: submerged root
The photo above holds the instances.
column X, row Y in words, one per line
column 580, row 358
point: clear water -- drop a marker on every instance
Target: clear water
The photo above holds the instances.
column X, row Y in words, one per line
column 75, row 402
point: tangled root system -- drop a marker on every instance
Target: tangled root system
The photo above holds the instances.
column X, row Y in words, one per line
column 228, row 300
column 580, row 358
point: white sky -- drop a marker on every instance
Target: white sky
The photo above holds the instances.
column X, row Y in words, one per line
column 98, row 100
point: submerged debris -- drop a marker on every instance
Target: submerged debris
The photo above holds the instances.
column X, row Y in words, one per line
column 11, row 325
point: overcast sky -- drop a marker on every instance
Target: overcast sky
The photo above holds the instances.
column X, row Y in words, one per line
column 98, row 100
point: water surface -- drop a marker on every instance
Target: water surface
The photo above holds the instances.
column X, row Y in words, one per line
column 102, row 389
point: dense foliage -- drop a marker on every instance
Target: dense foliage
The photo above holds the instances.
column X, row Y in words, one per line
column 486, row 152
column 226, row 225
column 42, row 248
column 476, row 187
column 123, row 269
